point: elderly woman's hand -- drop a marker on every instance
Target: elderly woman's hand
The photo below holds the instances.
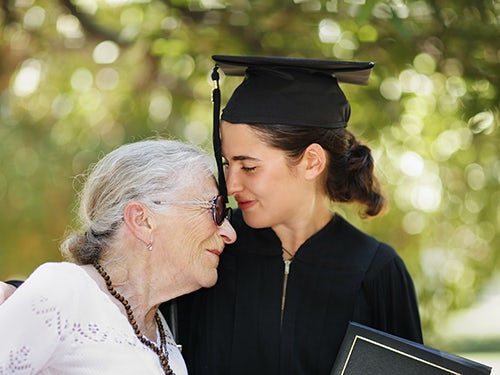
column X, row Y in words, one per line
column 6, row 291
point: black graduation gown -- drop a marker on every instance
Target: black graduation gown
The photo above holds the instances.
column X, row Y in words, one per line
column 337, row 275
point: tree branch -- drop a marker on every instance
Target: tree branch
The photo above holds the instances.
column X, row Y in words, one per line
column 93, row 28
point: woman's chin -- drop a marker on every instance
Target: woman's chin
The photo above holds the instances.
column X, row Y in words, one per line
column 210, row 280
column 253, row 222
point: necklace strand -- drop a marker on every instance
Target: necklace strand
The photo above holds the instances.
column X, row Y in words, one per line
column 161, row 351
column 288, row 253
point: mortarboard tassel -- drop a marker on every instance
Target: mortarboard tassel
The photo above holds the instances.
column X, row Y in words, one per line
column 216, row 133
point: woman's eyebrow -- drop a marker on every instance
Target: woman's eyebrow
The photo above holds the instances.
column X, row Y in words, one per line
column 244, row 158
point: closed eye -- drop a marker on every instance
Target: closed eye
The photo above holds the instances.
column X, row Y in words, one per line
column 242, row 159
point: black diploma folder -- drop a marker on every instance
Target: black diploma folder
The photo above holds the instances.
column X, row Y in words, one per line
column 368, row 351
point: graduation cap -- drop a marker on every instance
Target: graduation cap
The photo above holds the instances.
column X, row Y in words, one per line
column 284, row 91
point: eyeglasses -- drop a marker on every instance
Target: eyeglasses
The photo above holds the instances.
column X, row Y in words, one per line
column 217, row 206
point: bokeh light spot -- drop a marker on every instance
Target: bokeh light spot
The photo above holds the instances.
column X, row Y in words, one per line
column 69, row 26
column 414, row 222
column 28, row 78
column 160, row 107
column 329, row 31
column 411, row 164
column 475, row 176
column 34, row 18
column 391, row 89
column 196, row 132
column 106, row 52
column 107, row 79
column 82, row 80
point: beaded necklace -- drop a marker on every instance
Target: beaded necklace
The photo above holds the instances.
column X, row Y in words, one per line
column 161, row 351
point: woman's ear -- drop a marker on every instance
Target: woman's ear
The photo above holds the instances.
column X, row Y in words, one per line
column 139, row 220
column 315, row 160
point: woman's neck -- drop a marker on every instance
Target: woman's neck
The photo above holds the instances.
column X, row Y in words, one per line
column 134, row 288
column 295, row 232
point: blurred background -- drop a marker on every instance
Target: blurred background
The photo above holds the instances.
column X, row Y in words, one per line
column 80, row 77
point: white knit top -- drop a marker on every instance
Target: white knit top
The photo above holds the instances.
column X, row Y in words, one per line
column 60, row 322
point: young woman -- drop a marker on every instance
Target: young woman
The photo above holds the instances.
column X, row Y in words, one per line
column 298, row 272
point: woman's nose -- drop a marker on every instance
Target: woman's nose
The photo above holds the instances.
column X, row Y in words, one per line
column 227, row 232
column 232, row 183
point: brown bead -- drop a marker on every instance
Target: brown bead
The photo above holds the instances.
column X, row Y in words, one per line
column 131, row 319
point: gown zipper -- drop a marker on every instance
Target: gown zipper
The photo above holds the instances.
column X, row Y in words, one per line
column 285, row 279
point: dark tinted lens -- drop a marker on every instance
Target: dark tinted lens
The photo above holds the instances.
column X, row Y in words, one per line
column 219, row 210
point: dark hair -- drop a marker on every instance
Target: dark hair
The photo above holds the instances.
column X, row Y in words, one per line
column 349, row 176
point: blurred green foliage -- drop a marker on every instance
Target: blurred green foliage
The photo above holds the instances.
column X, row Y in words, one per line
column 79, row 77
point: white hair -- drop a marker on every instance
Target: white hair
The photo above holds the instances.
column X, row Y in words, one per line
column 139, row 171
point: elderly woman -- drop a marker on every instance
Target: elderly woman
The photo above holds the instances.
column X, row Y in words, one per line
column 152, row 228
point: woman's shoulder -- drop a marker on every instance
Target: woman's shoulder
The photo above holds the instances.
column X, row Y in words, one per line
column 362, row 245
column 57, row 281
column 56, row 271
column 386, row 263
column 57, row 267
column 51, row 291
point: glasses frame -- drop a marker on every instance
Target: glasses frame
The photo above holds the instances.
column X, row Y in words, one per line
column 219, row 213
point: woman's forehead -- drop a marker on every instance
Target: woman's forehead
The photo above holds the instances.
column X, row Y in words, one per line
column 241, row 143
column 202, row 187
column 238, row 134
